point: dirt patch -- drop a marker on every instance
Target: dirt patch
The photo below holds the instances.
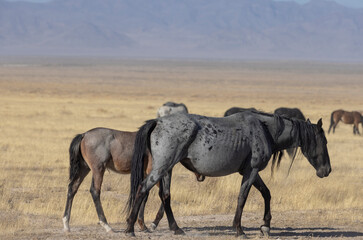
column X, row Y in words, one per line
column 285, row 225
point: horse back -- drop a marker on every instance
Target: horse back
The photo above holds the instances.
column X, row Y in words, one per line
column 110, row 148
column 290, row 113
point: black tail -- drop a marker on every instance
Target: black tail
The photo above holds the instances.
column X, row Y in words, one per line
column 75, row 157
column 142, row 142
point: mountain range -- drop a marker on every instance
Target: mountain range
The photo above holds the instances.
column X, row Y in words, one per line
column 236, row 29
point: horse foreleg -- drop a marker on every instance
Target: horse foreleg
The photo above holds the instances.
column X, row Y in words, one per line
column 140, row 219
column 164, row 193
column 72, row 190
column 248, row 179
column 260, row 185
column 96, row 192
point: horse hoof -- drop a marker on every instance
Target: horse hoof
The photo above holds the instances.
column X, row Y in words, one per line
column 130, row 234
column 179, row 231
column 65, row 224
column 243, row 236
column 146, row 230
column 153, row 227
column 265, row 231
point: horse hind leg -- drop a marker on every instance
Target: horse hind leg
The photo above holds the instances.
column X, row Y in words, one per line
column 142, row 192
column 164, row 194
column 158, row 217
column 140, row 219
column 72, row 190
column 95, row 190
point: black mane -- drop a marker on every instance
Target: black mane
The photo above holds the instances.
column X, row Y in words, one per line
column 304, row 135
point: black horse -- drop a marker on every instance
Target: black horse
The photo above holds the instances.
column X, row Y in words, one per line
column 242, row 142
column 234, row 110
column 289, row 113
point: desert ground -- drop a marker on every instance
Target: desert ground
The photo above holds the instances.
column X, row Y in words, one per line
column 45, row 102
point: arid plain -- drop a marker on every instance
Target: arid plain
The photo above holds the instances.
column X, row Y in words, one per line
column 45, row 102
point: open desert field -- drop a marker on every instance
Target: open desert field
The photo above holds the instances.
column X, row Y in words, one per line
column 45, row 102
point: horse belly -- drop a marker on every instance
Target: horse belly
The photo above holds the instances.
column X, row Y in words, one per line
column 348, row 119
column 218, row 160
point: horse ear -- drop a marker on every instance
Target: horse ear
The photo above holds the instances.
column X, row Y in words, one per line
column 308, row 121
column 320, row 123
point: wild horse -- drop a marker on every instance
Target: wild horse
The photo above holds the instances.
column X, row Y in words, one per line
column 97, row 150
column 289, row 113
column 243, row 143
column 346, row 117
column 234, row 110
column 169, row 108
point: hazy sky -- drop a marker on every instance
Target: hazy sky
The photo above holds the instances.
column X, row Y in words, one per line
column 349, row 3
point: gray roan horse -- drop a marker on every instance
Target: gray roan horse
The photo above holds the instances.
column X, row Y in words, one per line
column 169, row 108
column 243, row 143
column 97, row 150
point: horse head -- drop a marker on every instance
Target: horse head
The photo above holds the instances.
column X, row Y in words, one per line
column 315, row 150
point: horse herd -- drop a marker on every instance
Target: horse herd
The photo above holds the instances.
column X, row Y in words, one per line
column 242, row 141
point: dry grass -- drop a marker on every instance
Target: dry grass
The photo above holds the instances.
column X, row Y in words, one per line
column 45, row 102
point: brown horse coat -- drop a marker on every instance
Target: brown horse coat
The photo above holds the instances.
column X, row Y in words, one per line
column 346, row 117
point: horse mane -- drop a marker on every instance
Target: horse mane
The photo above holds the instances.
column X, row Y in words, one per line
column 280, row 126
column 303, row 133
column 278, row 120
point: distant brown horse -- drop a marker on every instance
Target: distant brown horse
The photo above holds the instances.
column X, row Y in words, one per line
column 97, row 150
column 346, row 117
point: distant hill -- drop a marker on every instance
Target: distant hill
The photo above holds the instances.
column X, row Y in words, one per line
column 243, row 29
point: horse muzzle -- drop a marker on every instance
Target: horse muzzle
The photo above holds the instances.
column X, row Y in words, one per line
column 323, row 172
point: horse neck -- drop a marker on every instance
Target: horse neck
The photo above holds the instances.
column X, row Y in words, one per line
column 288, row 138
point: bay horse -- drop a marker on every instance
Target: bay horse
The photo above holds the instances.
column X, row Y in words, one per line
column 214, row 147
column 97, row 150
column 346, row 117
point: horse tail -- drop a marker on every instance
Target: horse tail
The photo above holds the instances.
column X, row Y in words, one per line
column 142, row 142
column 75, row 157
column 331, row 121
